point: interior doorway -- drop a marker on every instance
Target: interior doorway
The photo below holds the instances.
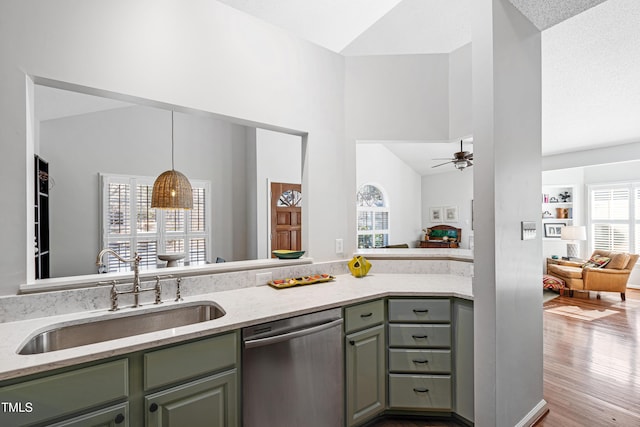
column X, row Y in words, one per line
column 286, row 216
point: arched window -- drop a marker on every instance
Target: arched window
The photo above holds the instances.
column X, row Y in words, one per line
column 373, row 217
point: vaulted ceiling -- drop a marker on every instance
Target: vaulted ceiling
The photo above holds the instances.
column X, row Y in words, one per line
column 590, row 48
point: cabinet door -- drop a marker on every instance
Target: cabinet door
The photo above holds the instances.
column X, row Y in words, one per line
column 365, row 372
column 463, row 340
column 208, row 402
column 114, row 416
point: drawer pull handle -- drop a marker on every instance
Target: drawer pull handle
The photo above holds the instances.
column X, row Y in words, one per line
column 366, row 315
column 352, row 342
column 422, row 311
column 421, row 390
column 420, row 337
column 119, row 419
column 153, row 407
column 420, row 361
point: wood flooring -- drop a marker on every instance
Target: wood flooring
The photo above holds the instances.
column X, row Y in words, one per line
column 592, row 367
column 591, row 363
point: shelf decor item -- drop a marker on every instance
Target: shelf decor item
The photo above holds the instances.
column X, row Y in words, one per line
column 359, row 266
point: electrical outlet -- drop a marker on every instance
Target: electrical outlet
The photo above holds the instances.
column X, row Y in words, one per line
column 339, row 246
column 263, row 278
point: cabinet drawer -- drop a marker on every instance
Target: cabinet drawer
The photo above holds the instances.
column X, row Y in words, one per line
column 182, row 362
column 112, row 416
column 424, row 336
column 419, row 310
column 404, row 360
column 420, row 392
column 66, row 393
column 362, row 316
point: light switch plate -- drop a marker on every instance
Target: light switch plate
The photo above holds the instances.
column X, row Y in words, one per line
column 339, row 246
column 528, row 230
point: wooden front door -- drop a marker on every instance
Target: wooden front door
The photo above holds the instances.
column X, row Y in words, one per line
column 286, row 216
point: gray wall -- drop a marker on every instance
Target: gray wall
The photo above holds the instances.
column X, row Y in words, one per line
column 229, row 64
column 507, row 173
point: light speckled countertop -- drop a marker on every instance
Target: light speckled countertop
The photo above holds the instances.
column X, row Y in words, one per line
column 243, row 307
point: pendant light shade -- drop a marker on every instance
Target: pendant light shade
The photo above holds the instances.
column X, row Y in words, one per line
column 172, row 189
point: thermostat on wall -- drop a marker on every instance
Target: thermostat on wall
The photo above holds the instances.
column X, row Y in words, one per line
column 528, row 230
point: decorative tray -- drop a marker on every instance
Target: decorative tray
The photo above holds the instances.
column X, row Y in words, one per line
column 305, row 280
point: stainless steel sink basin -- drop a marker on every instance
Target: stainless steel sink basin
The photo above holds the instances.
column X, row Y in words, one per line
column 59, row 337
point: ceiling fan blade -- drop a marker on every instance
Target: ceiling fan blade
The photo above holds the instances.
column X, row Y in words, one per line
column 442, row 164
column 469, row 156
column 444, row 159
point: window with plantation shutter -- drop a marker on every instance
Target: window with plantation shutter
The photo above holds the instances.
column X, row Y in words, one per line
column 130, row 225
column 373, row 217
column 614, row 217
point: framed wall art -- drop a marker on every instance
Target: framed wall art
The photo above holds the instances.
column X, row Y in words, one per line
column 552, row 230
column 450, row 214
column 435, row 214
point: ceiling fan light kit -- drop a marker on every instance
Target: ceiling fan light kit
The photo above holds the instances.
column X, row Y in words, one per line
column 461, row 159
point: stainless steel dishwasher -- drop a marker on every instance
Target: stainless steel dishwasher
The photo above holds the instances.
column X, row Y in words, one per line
column 292, row 372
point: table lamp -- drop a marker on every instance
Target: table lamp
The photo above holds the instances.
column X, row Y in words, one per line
column 573, row 233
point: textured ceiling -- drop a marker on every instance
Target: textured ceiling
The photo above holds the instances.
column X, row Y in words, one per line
column 547, row 13
column 591, row 79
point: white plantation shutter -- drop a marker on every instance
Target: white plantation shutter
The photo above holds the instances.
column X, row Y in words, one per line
column 612, row 216
column 130, row 222
column 611, row 237
column 610, row 204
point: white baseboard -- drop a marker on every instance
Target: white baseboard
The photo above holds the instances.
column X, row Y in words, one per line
column 534, row 415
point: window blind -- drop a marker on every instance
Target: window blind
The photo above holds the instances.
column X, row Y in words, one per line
column 130, row 222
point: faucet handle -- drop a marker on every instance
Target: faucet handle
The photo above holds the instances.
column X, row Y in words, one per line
column 114, row 296
column 178, row 296
column 158, row 291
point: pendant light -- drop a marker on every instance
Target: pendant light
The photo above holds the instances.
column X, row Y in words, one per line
column 172, row 190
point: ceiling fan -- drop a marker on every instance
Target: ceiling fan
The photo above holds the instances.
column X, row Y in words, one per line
column 461, row 159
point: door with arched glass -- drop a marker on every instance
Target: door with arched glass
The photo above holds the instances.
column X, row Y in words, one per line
column 286, row 216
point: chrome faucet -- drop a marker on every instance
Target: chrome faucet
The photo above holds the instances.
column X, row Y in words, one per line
column 136, row 279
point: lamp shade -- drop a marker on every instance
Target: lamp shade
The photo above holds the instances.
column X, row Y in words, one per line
column 574, row 232
column 172, row 190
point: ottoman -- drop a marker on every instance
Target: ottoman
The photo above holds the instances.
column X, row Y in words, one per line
column 553, row 282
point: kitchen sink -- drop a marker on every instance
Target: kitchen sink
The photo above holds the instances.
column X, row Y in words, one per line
column 62, row 336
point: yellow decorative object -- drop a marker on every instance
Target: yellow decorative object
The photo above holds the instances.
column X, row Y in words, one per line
column 359, row 266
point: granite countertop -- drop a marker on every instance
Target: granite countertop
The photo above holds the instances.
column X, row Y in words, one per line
column 418, row 253
column 243, row 307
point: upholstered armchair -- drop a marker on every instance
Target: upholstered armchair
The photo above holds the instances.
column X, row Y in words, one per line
column 612, row 277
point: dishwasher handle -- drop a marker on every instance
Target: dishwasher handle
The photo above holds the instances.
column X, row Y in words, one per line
column 260, row 342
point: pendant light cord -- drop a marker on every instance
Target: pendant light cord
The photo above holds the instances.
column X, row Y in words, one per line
column 172, row 167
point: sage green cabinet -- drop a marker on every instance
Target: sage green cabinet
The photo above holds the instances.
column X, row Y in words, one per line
column 365, row 366
column 187, row 384
column 207, row 402
column 463, row 363
column 420, row 375
column 114, row 416
column 64, row 395
column 196, row 384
